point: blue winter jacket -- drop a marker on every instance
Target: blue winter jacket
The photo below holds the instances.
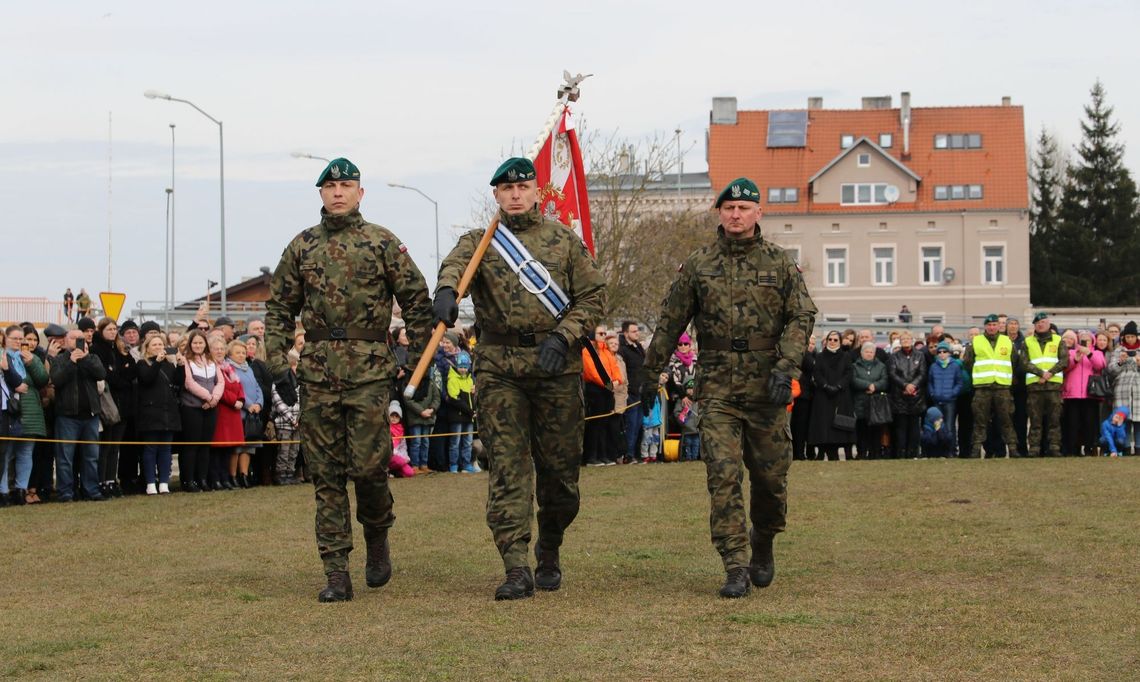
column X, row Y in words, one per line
column 1113, row 436
column 944, row 383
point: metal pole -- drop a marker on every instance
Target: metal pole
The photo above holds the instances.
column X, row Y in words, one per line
column 110, row 197
column 173, row 246
column 166, row 289
column 437, row 262
column 222, row 195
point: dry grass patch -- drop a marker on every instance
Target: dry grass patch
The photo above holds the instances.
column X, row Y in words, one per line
column 940, row 570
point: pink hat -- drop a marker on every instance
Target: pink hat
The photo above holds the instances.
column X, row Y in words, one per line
column 685, row 338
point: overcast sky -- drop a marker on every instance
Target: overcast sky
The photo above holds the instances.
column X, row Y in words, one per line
column 435, row 94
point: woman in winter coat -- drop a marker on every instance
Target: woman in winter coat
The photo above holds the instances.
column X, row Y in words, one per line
column 868, row 377
column 108, row 346
column 20, row 360
column 201, row 391
column 445, row 355
column 286, row 419
column 253, row 405
column 1080, row 425
column 907, row 372
column 831, row 381
column 229, row 431
column 944, row 384
column 1124, row 368
column 158, row 416
column 1104, row 345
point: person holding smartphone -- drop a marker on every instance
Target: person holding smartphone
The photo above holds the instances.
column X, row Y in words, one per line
column 74, row 373
column 1124, row 368
column 1079, row 411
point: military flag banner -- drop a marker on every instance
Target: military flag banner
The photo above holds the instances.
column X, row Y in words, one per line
column 562, row 179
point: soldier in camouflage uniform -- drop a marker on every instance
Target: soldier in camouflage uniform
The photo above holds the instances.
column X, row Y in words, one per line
column 1043, row 361
column 753, row 315
column 340, row 276
column 527, row 388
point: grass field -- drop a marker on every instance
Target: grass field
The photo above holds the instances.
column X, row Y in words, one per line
column 916, row 570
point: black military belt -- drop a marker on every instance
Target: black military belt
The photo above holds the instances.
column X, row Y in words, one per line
column 527, row 340
column 345, row 334
column 739, row 345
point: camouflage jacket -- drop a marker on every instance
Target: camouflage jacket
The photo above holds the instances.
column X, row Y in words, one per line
column 344, row 272
column 503, row 306
column 736, row 289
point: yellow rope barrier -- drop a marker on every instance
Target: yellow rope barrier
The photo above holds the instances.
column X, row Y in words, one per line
column 229, row 444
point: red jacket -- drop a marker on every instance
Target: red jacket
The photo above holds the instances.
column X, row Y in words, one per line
column 229, row 428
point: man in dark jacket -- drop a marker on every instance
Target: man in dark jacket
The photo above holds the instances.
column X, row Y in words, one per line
column 74, row 373
column 633, row 354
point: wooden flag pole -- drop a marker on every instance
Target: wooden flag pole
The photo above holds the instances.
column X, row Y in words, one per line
column 568, row 92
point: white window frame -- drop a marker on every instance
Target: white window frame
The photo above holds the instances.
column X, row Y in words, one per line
column 971, row 194
column 791, row 195
column 827, row 263
column 986, row 262
column 846, row 140
column 941, row 246
column 886, row 140
column 872, row 186
column 864, row 160
column 932, row 318
column 884, row 318
column 893, row 263
column 836, row 318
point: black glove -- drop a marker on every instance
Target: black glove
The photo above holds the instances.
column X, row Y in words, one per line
column 779, row 388
column 445, row 308
column 648, row 395
column 285, row 388
column 552, row 354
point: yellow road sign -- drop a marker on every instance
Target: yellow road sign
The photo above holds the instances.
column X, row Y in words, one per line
column 112, row 303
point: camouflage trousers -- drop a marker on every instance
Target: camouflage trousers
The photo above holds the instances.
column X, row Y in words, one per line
column 1043, row 404
column 736, row 437
column 988, row 402
column 532, row 430
column 346, row 436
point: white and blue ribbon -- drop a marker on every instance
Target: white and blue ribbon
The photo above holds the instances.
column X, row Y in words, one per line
column 535, row 278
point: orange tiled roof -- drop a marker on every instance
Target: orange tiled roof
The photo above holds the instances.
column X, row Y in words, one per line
column 999, row 166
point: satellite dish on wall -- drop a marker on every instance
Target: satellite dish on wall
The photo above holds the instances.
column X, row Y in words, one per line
column 891, row 194
column 948, row 275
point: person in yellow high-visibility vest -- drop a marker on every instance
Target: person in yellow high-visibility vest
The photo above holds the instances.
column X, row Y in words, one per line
column 1043, row 364
column 989, row 359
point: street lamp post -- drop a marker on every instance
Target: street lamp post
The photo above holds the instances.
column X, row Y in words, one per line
column 170, row 248
column 436, row 205
column 304, row 155
column 151, row 94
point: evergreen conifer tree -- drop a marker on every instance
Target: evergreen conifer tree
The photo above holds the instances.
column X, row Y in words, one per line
column 1099, row 218
column 1043, row 220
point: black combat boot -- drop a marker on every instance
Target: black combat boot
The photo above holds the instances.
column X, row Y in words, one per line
column 762, row 569
column 378, row 565
column 518, row 585
column 547, row 574
column 338, row 589
column 735, row 584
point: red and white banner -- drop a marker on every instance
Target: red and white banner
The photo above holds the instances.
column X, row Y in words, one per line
column 562, row 180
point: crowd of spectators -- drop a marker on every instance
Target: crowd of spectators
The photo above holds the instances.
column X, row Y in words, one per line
column 117, row 396
column 120, row 395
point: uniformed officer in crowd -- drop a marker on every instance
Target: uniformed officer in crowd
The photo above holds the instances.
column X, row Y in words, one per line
column 753, row 315
column 536, row 292
column 340, row 276
column 989, row 359
column 1043, row 363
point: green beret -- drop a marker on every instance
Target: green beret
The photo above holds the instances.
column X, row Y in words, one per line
column 1040, row 316
column 992, row 317
column 339, row 169
column 515, row 169
column 740, row 189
